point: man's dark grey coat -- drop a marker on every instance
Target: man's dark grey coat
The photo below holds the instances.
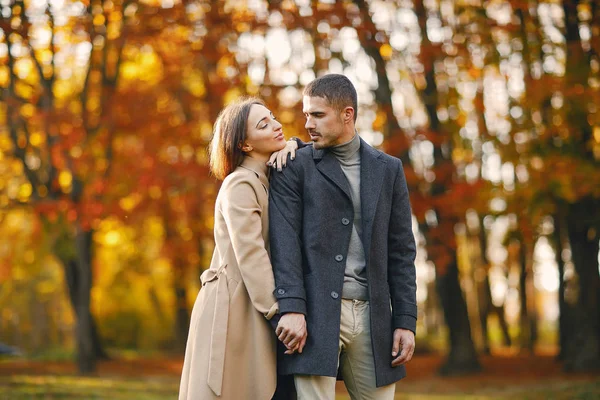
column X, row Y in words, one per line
column 311, row 214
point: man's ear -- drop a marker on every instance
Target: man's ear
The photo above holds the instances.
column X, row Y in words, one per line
column 348, row 115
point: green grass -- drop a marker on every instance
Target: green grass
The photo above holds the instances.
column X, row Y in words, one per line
column 153, row 388
column 73, row 387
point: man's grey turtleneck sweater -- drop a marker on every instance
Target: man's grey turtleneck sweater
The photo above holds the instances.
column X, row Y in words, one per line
column 355, row 275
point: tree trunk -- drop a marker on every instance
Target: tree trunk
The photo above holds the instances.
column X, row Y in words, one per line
column 73, row 279
column 86, row 356
column 563, row 327
column 182, row 317
column 584, row 342
column 462, row 358
column 527, row 320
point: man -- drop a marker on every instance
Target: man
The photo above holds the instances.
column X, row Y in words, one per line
column 343, row 254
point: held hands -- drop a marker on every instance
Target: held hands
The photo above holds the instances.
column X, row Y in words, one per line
column 279, row 158
column 291, row 331
column 404, row 343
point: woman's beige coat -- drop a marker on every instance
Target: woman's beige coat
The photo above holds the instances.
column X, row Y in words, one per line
column 231, row 348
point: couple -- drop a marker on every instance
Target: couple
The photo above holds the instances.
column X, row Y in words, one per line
column 338, row 279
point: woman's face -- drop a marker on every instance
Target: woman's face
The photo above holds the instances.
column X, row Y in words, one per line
column 264, row 133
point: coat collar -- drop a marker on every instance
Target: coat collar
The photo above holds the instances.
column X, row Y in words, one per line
column 258, row 167
column 372, row 173
column 371, row 168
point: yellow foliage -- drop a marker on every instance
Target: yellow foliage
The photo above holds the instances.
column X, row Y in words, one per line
column 4, row 76
column 25, row 192
column 130, row 202
column 65, row 179
column 27, row 110
column 17, row 167
column 23, row 90
column 5, row 143
column 99, row 19
column 112, row 238
column 36, row 139
column 24, row 68
column 63, row 89
column 232, row 94
column 194, row 83
column 144, row 66
column 386, row 51
column 380, row 121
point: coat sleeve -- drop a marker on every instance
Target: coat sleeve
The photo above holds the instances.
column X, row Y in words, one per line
column 285, row 221
column 401, row 258
column 242, row 214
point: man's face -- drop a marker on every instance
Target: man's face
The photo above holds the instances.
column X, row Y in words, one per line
column 323, row 123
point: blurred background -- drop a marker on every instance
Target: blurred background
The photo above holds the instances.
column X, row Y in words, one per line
column 106, row 203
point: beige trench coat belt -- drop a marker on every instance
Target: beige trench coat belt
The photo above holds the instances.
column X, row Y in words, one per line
column 218, row 335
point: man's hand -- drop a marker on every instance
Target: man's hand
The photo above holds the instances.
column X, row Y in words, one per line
column 404, row 343
column 291, row 331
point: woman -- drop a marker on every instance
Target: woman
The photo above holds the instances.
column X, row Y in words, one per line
column 231, row 348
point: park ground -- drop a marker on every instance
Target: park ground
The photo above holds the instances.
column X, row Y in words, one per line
column 513, row 377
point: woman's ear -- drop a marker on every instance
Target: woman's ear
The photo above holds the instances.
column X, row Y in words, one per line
column 245, row 147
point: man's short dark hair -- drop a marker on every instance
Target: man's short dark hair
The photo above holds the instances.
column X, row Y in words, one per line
column 336, row 89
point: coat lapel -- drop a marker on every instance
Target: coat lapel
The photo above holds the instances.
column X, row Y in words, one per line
column 330, row 167
column 372, row 172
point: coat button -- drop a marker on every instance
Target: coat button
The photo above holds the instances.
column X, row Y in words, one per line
column 335, row 295
column 280, row 291
column 345, row 221
column 339, row 257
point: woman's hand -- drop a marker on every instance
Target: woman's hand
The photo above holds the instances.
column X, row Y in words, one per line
column 279, row 158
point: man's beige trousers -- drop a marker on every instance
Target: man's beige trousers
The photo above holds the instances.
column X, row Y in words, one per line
column 356, row 361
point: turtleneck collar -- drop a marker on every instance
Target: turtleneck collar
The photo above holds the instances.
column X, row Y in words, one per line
column 346, row 150
column 258, row 167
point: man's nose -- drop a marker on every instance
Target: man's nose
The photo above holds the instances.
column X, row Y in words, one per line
column 309, row 124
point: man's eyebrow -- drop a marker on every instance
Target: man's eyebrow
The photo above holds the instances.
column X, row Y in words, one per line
column 260, row 121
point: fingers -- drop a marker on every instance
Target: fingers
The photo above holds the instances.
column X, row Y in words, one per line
column 289, row 337
column 404, row 357
column 302, row 343
column 396, row 344
column 297, row 345
column 405, row 344
column 278, row 159
column 283, row 336
column 293, row 344
column 278, row 330
column 281, row 159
